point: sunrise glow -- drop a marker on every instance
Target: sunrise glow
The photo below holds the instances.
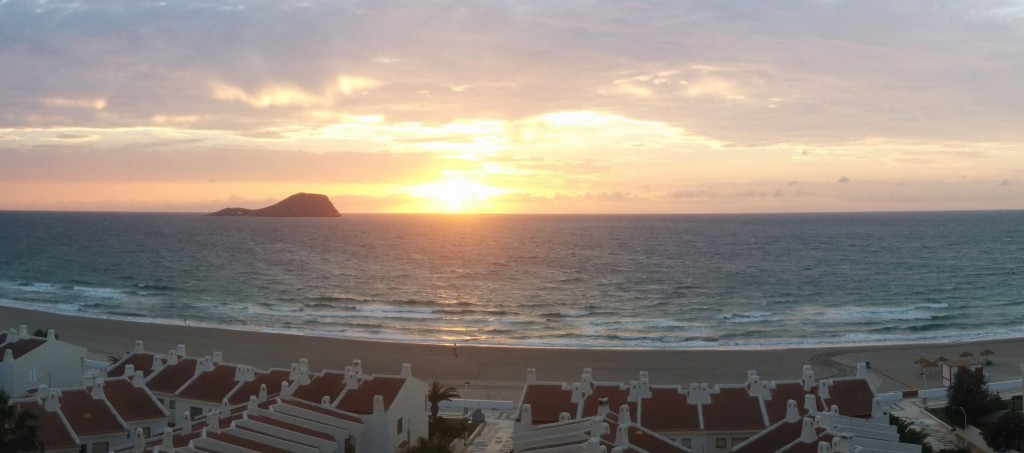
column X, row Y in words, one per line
column 513, row 107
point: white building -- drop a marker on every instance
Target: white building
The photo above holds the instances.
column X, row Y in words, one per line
column 26, row 362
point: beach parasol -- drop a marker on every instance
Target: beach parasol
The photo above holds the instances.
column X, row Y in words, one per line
column 941, row 359
column 986, row 354
column 966, row 354
column 921, row 362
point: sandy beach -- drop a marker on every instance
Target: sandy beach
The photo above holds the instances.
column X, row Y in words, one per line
column 498, row 372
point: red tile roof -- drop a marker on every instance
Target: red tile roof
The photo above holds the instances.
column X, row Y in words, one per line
column 776, row 406
column 21, row 347
column 650, row 442
column 774, row 438
column 271, row 379
column 329, row 384
column 853, row 396
column 616, row 398
column 211, row 386
column 547, row 401
column 667, row 410
column 733, row 409
column 171, row 377
column 132, row 403
column 142, row 361
column 360, row 400
column 51, row 430
column 88, row 416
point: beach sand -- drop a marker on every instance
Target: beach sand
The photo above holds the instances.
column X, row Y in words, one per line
column 498, row 372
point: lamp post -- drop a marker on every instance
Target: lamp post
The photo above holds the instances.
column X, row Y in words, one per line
column 965, row 415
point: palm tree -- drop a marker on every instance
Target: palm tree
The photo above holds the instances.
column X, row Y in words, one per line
column 440, row 392
column 17, row 432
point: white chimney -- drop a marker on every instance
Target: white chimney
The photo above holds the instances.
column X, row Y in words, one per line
column 842, row 443
column 351, row 378
column 22, row 331
column 52, row 401
column 862, row 370
column 138, row 347
column 186, row 423
column 181, row 350
column 531, row 374
column 9, row 356
column 807, row 431
column 526, row 415
column 218, row 357
column 325, row 402
column 213, row 421
column 140, row 441
column 824, row 447
column 97, row 389
column 378, row 404
column 624, row 418
column 792, row 412
column 603, row 406
column 598, row 427
column 129, row 370
column 51, row 335
column 357, row 365
column 253, row 405
column 564, row 417
column 406, row 370
column 138, row 380
column 823, row 389
column 158, row 363
column 811, row 404
column 167, row 442
column 808, row 378
column 263, row 393
column 698, row 394
column 12, row 334
column 594, row 446
column 304, row 364
column 622, row 436
column 172, row 357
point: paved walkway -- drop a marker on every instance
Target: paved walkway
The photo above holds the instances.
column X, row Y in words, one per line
column 496, row 436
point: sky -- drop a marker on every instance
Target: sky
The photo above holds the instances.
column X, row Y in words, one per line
column 543, row 106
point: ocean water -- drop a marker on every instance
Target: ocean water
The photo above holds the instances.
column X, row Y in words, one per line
column 685, row 281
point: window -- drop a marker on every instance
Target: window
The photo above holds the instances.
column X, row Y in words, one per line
column 720, row 442
column 399, row 426
column 686, row 442
column 101, row 447
column 195, row 412
column 33, row 375
column 738, row 440
column 145, row 432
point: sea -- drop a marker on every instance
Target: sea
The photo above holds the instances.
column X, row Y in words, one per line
column 574, row 281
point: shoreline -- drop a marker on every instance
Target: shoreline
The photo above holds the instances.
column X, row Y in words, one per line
column 468, row 342
column 498, row 372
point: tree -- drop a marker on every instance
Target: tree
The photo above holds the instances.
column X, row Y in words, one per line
column 969, row 395
column 17, row 432
column 438, row 393
column 424, row 445
column 1007, row 432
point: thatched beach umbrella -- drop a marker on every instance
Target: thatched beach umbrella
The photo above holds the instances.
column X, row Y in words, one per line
column 987, row 352
column 923, row 362
column 941, row 359
column 966, row 354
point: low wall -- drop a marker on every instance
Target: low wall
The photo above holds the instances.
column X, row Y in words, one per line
column 477, row 404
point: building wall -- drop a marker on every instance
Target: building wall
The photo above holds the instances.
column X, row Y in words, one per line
column 54, row 363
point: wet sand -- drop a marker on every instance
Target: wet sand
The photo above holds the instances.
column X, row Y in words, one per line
column 499, row 372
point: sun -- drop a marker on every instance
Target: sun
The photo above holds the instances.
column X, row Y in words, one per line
column 456, row 195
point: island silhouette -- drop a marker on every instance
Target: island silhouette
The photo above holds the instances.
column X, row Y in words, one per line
column 298, row 205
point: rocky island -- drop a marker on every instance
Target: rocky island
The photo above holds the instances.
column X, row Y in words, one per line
column 298, row 205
